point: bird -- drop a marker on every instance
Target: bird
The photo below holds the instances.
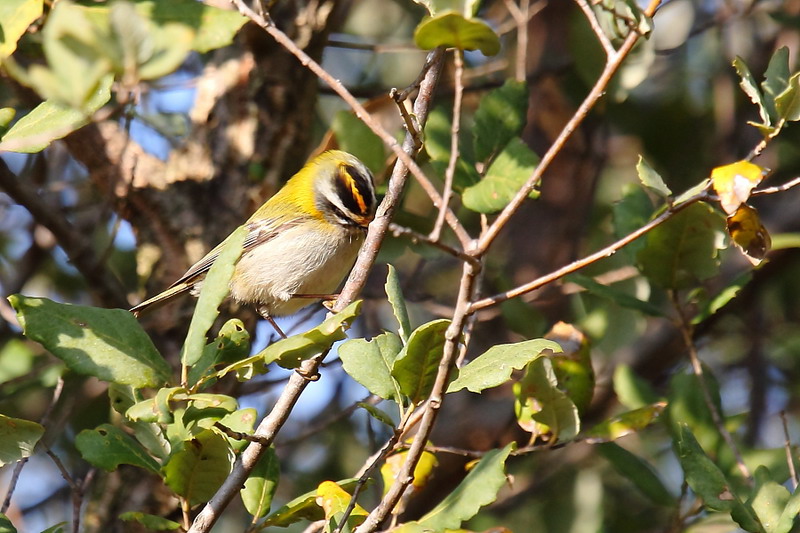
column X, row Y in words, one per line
column 300, row 243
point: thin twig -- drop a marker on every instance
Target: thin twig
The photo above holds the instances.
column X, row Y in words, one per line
column 455, row 128
column 612, row 65
column 521, row 16
column 402, row 231
column 777, row 188
column 686, row 329
column 608, row 251
column 344, row 413
column 596, row 28
column 75, row 489
column 787, row 444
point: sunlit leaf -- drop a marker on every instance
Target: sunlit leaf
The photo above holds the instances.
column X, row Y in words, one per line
column 454, row 30
column 748, row 84
column 478, row 489
column 423, row 470
column 733, row 183
column 415, row 368
column 18, row 437
column 108, row 447
column 652, row 179
column 768, row 501
column 106, row 343
column 626, row 423
column 542, row 408
column 370, row 363
column 631, row 390
column 15, row 17
column 5, row 525
column 573, row 364
column 787, row 104
column 261, row 484
column 395, row 295
column 749, row 234
column 291, row 352
column 199, row 467
column 241, row 421
column 510, row 170
column 148, row 434
column 214, row 290
column 334, row 500
column 232, row 344
column 500, row 117
column 376, row 413
column 304, row 507
column 51, row 120
column 494, row 367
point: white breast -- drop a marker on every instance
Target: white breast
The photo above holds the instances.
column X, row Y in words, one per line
column 306, row 264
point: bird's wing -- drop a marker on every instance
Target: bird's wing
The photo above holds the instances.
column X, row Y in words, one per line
column 258, row 233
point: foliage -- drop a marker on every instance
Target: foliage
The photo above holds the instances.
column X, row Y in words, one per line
column 447, row 377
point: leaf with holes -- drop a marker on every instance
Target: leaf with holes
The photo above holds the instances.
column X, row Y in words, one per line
column 108, row 447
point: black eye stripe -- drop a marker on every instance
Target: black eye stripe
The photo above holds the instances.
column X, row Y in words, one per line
column 352, row 184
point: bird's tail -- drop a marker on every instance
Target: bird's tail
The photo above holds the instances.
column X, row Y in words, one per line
column 159, row 299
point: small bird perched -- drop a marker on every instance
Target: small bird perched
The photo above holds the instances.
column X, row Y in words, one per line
column 300, row 244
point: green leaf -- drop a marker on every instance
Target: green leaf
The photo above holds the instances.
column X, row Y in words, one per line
column 241, row 421
column 748, row 84
column 415, row 368
column 304, row 507
column 51, row 120
column 632, row 212
column 500, row 117
column 768, row 501
column 18, row 437
column 108, row 447
column 652, row 179
column 790, row 512
column 626, row 423
column 623, row 299
column 683, row 251
column 216, row 286
column 708, row 482
column 148, row 434
column 631, row 390
column 106, row 343
column 5, row 525
column 776, row 79
column 370, row 363
column 232, row 344
column 787, row 104
column 478, row 489
column 198, row 468
column 494, row 367
column 213, row 27
column 260, row 486
column 291, row 352
column 354, row 136
column 15, row 17
column 395, row 294
column 150, row 521
column 454, row 30
column 58, row 528
column 542, row 407
column 378, row 414
column 506, row 175
column 710, row 306
column 437, row 134
column 639, row 472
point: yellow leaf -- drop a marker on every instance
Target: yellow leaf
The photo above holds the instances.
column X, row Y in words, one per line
column 334, row 500
column 733, row 183
column 422, row 472
column 749, row 234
